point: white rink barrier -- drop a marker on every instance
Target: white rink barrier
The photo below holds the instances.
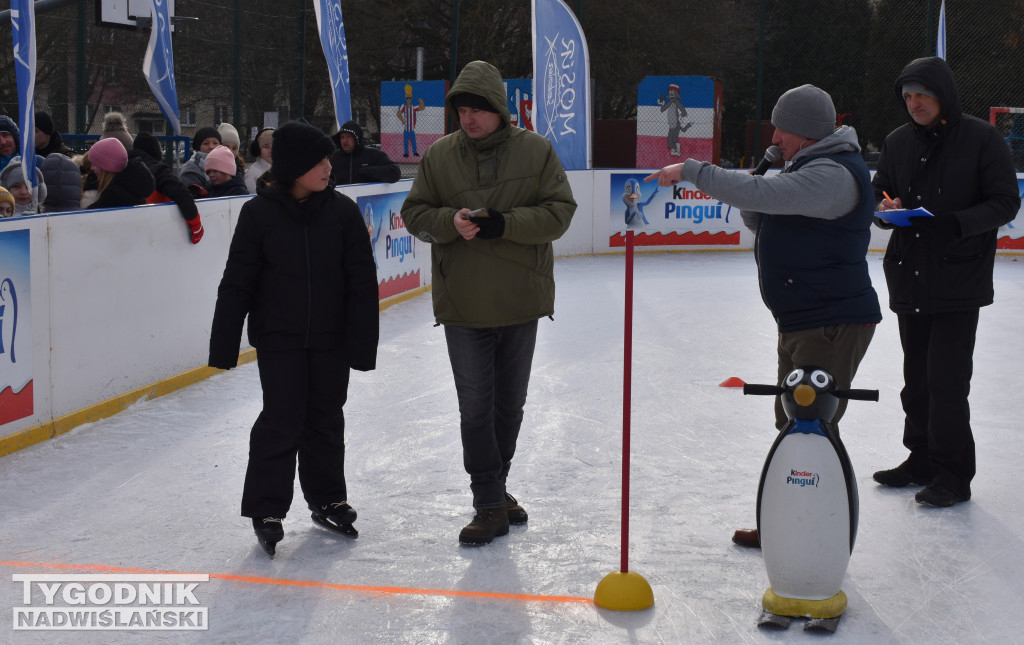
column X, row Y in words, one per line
column 115, row 306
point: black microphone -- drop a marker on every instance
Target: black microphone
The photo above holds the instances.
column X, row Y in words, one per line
column 771, row 155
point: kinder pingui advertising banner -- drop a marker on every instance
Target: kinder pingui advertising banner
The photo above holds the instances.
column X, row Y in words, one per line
column 679, row 215
column 15, row 327
column 394, row 248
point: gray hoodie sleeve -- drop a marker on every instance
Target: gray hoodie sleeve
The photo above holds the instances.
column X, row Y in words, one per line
column 821, row 188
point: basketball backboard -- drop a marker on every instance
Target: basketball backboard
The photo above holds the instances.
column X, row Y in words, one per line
column 123, row 13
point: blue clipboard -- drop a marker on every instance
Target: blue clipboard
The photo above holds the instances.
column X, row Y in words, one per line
column 901, row 216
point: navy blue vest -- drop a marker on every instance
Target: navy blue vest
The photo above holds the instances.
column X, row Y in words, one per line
column 814, row 272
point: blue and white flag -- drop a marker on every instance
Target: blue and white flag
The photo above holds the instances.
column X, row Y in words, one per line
column 23, row 33
column 561, row 82
column 332, row 37
column 940, row 41
column 158, row 65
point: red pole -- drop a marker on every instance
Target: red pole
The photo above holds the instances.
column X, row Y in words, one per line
column 626, row 380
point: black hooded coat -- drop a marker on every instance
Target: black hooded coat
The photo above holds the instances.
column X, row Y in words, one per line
column 363, row 165
column 961, row 170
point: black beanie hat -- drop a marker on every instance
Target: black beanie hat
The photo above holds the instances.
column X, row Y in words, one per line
column 297, row 148
column 204, row 133
column 44, row 122
column 474, row 101
column 149, row 144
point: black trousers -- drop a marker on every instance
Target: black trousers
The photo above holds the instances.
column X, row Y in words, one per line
column 938, row 362
column 304, row 391
column 491, row 367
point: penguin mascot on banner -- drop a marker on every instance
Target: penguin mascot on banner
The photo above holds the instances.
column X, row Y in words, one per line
column 807, row 503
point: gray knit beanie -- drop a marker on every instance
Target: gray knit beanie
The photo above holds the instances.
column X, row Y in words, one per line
column 806, row 111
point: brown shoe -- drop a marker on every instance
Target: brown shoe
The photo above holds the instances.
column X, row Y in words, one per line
column 747, row 537
column 488, row 524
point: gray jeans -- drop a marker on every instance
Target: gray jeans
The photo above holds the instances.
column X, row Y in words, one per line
column 492, row 371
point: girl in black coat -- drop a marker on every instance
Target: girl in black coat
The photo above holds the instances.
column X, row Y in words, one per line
column 301, row 268
column 121, row 181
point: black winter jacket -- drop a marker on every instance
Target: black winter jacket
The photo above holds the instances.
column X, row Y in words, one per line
column 961, row 170
column 304, row 274
column 364, row 164
column 231, row 188
column 167, row 184
column 130, row 187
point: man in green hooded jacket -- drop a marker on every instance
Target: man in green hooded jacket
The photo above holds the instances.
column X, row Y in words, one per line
column 490, row 198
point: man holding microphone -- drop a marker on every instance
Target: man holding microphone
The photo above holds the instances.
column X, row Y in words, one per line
column 812, row 224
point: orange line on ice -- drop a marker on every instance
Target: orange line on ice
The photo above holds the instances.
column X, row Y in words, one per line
column 101, row 568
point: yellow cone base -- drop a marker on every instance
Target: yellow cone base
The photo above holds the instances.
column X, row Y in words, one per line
column 624, row 591
column 782, row 606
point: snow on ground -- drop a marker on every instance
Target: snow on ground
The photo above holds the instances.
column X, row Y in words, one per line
column 157, row 488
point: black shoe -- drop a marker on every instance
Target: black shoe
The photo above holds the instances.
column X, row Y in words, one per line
column 269, row 532
column 939, row 496
column 899, row 477
column 488, row 524
column 747, row 537
column 516, row 513
column 336, row 512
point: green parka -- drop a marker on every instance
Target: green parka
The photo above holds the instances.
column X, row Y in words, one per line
column 493, row 282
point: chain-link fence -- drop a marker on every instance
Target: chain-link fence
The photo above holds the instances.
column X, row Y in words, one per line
column 258, row 62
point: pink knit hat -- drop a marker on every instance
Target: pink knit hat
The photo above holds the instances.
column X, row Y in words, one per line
column 108, row 154
column 221, row 158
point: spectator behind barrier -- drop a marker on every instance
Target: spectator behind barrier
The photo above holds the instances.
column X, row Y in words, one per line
column 229, row 139
column 225, row 181
column 48, row 140
column 6, row 203
column 260, row 148
column 193, row 173
column 13, row 179
column 63, row 184
column 114, row 126
column 168, row 187
column 121, row 181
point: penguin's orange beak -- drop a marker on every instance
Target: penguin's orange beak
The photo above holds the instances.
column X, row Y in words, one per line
column 804, row 395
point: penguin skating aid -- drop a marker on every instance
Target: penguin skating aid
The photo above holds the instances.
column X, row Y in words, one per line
column 807, row 505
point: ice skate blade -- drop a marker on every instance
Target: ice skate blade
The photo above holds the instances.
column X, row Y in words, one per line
column 269, row 547
column 343, row 529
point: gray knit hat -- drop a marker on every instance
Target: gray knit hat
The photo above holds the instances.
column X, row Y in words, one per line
column 806, row 111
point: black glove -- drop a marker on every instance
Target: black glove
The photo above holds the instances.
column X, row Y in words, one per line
column 491, row 226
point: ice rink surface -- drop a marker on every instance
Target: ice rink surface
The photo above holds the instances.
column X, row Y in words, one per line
column 157, row 488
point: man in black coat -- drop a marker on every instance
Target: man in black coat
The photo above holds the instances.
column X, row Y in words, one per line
column 939, row 269
column 354, row 163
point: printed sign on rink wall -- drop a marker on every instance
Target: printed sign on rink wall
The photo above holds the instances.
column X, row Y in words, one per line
column 394, row 248
column 411, row 118
column 15, row 327
column 678, row 117
column 1011, row 234
column 668, row 216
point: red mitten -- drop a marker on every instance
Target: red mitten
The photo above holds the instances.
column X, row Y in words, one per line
column 196, row 227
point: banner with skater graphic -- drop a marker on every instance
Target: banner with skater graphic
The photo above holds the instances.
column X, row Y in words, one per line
column 668, row 216
column 678, row 117
column 394, row 248
column 520, row 103
column 16, row 400
column 411, row 118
